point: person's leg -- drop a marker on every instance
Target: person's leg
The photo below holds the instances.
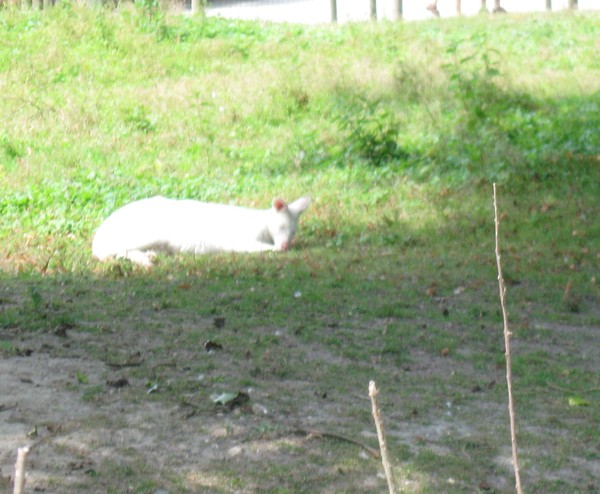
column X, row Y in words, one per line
column 497, row 7
column 432, row 7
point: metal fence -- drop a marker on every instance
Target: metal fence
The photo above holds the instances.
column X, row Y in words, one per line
column 322, row 11
column 305, row 11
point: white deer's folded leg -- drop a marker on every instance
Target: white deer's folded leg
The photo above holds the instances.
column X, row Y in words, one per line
column 256, row 246
column 143, row 258
column 245, row 246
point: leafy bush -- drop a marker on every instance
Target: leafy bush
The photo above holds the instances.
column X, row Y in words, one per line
column 370, row 130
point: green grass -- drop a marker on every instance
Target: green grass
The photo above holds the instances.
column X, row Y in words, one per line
column 397, row 132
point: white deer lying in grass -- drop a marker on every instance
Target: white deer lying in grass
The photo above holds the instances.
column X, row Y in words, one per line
column 141, row 229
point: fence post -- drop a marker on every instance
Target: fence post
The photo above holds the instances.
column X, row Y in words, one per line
column 373, row 10
column 333, row 10
column 573, row 4
column 195, row 6
column 549, row 5
column 398, row 9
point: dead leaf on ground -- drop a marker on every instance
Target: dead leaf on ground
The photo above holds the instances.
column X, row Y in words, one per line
column 230, row 400
column 212, row 346
column 120, row 382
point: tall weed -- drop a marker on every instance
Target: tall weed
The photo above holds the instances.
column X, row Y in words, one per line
column 370, row 130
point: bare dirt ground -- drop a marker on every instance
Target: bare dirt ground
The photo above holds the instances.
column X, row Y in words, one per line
column 107, row 377
column 83, row 401
column 76, row 439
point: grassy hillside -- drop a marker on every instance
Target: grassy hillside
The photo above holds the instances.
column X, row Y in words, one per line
column 103, row 107
column 397, row 132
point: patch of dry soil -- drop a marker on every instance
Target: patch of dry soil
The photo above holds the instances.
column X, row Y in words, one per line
column 75, row 442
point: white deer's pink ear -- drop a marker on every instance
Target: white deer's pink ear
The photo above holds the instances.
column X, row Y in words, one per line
column 279, row 205
column 299, row 206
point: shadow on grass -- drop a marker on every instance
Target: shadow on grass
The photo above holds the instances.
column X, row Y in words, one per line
column 412, row 305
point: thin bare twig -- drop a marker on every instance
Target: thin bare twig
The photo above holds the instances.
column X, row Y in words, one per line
column 20, row 470
column 310, row 433
column 507, row 334
column 568, row 288
column 567, row 390
column 381, row 436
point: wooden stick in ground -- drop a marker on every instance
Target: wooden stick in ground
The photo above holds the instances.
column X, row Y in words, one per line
column 507, row 334
column 381, row 436
column 20, row 470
